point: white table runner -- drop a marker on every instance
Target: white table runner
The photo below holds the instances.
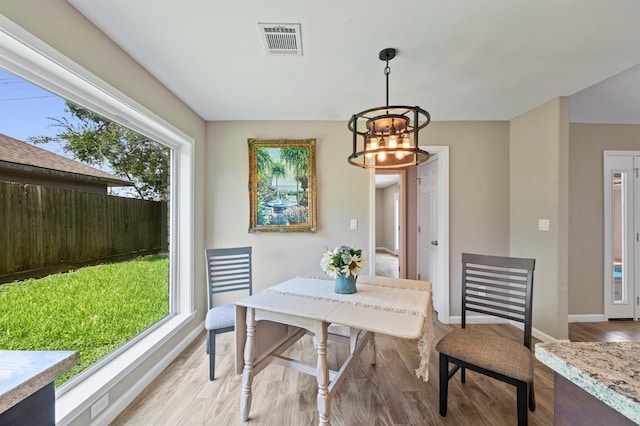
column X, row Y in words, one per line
column 374, row 293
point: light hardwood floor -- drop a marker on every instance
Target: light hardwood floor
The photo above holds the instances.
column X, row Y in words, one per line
column 386, row 264
column 611, row 331
column 385, row 394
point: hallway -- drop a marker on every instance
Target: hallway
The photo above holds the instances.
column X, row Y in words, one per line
column 386, row 264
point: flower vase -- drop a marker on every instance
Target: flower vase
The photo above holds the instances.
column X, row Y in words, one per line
column 345, row 284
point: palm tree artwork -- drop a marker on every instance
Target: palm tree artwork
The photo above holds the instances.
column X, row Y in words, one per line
column 282, row 185
column 278, row 170
column 282, row 180
column 297, row 160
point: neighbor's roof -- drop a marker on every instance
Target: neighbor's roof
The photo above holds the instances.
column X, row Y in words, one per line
column 16, row 154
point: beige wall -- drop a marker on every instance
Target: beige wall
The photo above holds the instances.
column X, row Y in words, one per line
column 58, row 24
column 478, row 194
column 342, row 194
column 385, row 213
column 390, row 194
column 379, row 217
column 586, row 215
column 539, row 190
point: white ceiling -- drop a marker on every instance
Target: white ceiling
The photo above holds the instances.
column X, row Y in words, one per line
column 384, row 180
column 458, row 59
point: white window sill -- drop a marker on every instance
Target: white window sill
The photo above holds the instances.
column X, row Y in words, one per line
column 76, row 401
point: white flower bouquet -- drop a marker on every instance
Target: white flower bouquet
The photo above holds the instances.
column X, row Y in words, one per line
column 343, row 260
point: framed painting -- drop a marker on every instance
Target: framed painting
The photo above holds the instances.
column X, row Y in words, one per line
column 282, row 185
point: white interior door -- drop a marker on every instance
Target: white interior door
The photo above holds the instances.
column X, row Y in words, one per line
column 621, row 211
column 428, row 243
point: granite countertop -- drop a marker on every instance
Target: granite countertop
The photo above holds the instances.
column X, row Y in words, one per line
column 22, row 373
column 610, row 371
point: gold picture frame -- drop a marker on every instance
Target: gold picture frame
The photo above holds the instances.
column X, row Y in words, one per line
column 282, row 185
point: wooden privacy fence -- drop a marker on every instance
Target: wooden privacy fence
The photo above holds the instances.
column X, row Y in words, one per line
column 49, row 229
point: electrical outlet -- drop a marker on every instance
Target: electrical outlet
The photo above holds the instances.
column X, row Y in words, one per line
column 99, row 405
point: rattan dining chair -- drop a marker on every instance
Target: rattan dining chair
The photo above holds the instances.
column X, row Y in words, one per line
column 500, row 287
column 228, row 270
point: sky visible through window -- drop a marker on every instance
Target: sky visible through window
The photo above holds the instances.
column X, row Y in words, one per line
column 26, row 111
column 25, row 108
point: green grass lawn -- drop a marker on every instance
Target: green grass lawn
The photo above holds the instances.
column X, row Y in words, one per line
column 92, row 310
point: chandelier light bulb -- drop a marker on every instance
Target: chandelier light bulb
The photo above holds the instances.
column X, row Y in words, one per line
column 381, row 143
column 372, row 138
column 393, row 141
column 406, row 143
column 368, row 149
column 382, row 156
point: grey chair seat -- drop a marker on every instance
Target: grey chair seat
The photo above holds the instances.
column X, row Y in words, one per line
column 222, row 316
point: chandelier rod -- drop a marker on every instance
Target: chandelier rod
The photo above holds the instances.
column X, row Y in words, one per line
column 387, row 71
column 387, row 55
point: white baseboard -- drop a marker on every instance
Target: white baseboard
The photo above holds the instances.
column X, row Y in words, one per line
column 113, row 410
column 386, row 250
column 545, row 338
column 587, row 318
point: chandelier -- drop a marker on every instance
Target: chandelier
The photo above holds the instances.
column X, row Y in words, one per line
column 389, row 133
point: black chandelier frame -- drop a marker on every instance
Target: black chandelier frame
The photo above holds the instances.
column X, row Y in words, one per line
column 384, row 122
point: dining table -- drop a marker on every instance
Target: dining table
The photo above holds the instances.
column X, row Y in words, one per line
column 271, row 321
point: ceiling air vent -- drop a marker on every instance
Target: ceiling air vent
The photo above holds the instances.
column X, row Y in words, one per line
column 281, row 39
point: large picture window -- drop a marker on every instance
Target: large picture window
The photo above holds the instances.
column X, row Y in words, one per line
column 165, row 262
column 91, row 272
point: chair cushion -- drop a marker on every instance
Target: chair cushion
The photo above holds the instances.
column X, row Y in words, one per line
column 220, row 317
column 488, row 351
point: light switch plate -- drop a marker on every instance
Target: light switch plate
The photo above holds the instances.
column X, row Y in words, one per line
column 354, row 223
column 543, row 224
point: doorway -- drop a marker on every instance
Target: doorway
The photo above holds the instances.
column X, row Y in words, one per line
column 390, row 208
column 621, row 234
column 408, row 247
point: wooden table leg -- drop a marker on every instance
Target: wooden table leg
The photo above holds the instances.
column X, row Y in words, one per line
column 372, row 349
column 247, row 372
column 322, row 373
column 353, row 339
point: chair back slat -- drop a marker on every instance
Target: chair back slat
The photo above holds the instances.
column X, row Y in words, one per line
column 498, row 286
column 495, row 314
column 497, row 293
column 495, row 278
column 228, row 270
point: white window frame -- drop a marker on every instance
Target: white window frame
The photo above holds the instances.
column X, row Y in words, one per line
column 33, row 60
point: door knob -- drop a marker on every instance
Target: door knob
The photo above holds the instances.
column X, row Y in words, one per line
column 434, row 243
